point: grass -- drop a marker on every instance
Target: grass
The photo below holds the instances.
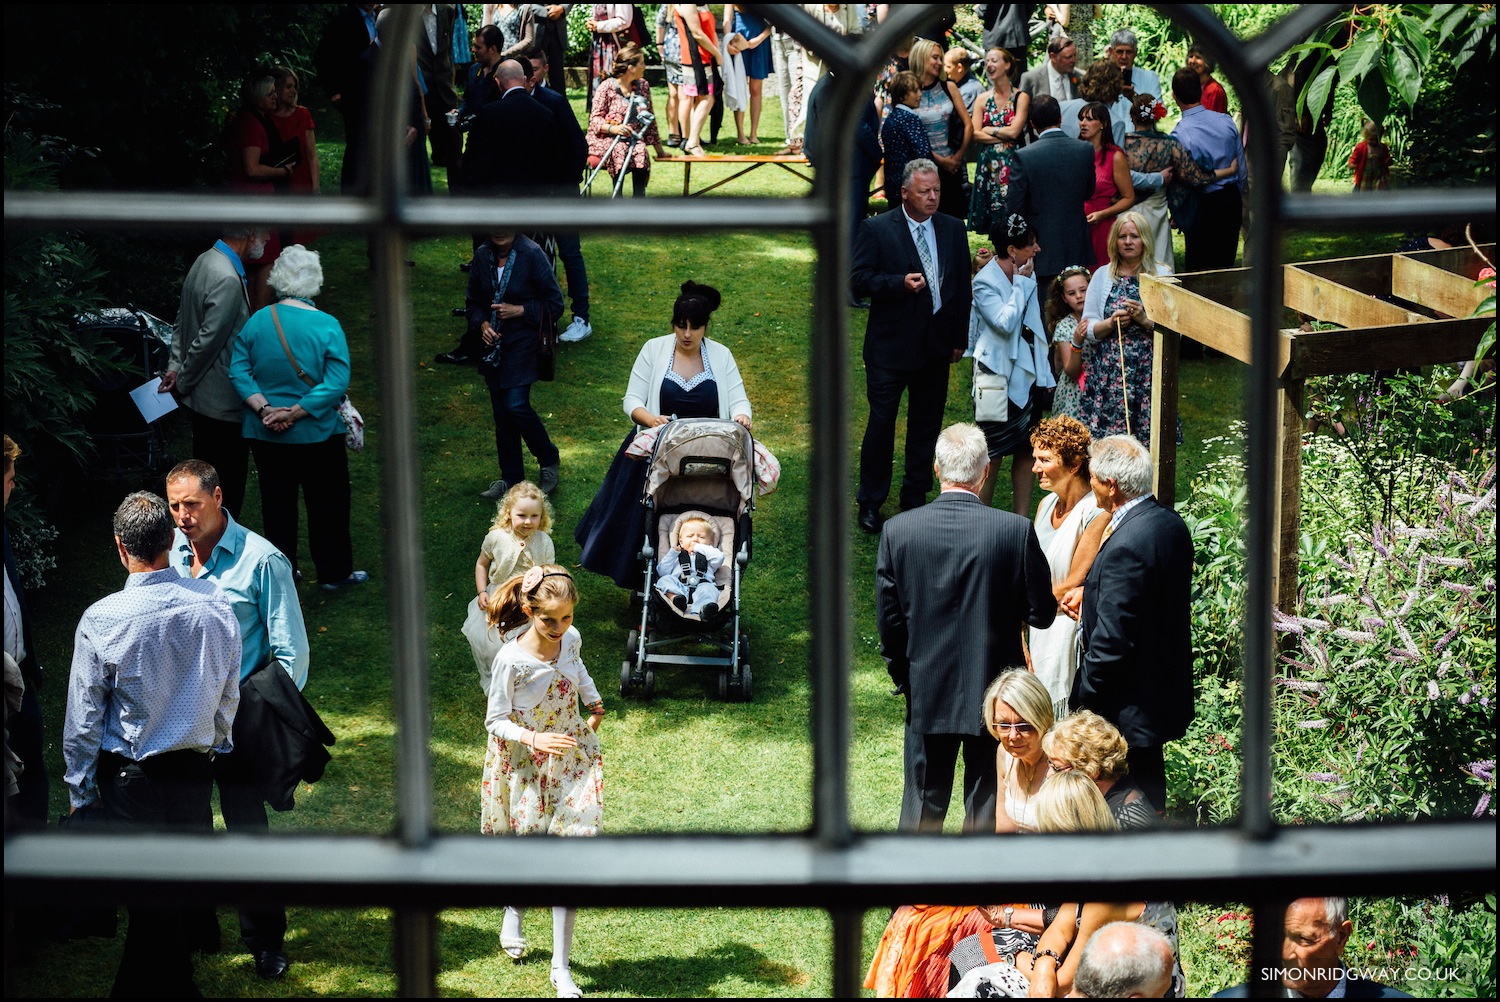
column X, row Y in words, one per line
column 683, row 763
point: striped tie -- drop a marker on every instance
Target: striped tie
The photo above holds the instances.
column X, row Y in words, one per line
column 929, row 270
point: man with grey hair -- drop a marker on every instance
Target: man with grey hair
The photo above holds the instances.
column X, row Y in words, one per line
column 1138, row 80
column 153, row 693
column 955, row 583
column 1125, row 960
column 1315, row 931
column 215, row 305
column 1137, row 667
column 913, row 263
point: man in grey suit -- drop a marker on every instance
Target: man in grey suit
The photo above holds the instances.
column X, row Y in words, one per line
column 955, row 583
column 1056, row 78
column 215, row 305
column 1051, row 179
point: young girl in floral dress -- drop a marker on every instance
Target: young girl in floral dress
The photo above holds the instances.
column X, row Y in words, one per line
column 1064, row 310
column 543, row 774
column 518, row 539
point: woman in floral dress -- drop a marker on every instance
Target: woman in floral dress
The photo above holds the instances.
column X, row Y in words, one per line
column 543, row 774
column 1001, row 116
column 1115, row 337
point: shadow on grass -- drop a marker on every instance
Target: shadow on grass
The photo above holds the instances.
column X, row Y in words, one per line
column 693, row 976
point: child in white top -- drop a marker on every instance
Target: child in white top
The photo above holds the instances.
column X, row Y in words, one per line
column 543, row 774
column 685, row 573
column 519, row 539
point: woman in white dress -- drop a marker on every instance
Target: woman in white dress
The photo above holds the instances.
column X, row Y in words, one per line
column 1070, row 532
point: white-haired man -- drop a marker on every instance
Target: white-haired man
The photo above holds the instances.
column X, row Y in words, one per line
column 956, row 581
column 1123, row 49
column 1315, row 931
column 1137, row 667
column 1124, row 960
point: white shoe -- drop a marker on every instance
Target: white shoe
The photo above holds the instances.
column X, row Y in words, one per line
column 562, row 980
column 577, row 331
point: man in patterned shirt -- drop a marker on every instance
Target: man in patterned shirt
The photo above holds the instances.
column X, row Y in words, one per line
column 153, row 692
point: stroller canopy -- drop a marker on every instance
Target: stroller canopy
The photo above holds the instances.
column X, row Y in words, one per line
column 705, row 462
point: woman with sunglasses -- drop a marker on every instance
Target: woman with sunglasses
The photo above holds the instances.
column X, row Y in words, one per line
column 1018, row 711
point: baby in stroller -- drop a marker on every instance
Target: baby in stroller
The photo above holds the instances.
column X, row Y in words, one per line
column 685, row 573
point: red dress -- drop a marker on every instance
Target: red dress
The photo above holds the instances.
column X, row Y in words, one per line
column 1214, row 98
column 247, row 132
column 292, row 127
column 1105, row 195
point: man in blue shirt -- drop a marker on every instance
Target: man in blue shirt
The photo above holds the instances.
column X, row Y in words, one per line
column 1212, row 235
column 257, row 579
column 153, row 693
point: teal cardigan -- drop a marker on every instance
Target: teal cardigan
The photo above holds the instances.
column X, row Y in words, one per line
column 260, row 365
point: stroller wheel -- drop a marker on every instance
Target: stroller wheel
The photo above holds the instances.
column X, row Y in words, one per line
column 650, row 684
column 632, row 646
column 724, row 684
column 625, row 685
column 742, row 691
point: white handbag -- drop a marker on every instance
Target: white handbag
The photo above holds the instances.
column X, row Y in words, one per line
column 991, row 403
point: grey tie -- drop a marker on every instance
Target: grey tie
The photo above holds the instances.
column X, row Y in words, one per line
column 929, row 269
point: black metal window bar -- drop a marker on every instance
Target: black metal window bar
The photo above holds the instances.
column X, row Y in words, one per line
column 417, row 872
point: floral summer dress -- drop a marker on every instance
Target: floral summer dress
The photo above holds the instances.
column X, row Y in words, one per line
column 527, row 792
column 1102, row 406
column 1065, row 401
column 992, row 172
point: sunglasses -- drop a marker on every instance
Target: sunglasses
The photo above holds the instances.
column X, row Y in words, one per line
column 1022, row 729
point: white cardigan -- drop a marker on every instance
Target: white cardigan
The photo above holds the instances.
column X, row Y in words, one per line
column 655, row 359
column 1093, row 301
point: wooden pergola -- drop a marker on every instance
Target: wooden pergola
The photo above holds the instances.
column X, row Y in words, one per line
column 1395, row 310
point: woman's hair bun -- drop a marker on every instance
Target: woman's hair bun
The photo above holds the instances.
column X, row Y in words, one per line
column 707, row 293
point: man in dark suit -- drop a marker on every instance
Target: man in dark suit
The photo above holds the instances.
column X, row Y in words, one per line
column 1057, row 78
column 1137, row 668
column 918, row 327
column 1316, row 930
column 513, row 142
column 1053, row 176
column 345, row 59
column 955, row 583
column 435, row 62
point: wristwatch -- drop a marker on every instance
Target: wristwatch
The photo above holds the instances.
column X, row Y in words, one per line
column 1010, row 912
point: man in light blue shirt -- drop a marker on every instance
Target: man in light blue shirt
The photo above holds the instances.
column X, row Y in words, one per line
column 1212, row 236
column 257, row 579
column 153, row 693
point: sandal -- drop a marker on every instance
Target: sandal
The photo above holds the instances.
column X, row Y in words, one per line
column 514, row 947
column 562, row 980
column 694, row 151
column 674, row 140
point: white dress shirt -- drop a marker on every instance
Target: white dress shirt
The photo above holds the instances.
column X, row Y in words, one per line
column 924, row 231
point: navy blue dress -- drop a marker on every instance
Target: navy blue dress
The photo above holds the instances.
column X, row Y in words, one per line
column 612, row 529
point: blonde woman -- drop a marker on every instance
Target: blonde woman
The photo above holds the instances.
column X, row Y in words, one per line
column 1018, row 711
column 1089, row 745
column 943, row 113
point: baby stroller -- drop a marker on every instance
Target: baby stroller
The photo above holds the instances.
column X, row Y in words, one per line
column 142, row 344
column 703, row 467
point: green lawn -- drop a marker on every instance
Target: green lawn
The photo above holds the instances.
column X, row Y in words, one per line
column 686, row 762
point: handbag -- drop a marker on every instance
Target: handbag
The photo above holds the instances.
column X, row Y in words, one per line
column 354, row 422
column 991, row 403
column 546, row 350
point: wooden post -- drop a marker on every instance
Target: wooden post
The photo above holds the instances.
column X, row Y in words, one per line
column 1288, row 494
column 1164, row 399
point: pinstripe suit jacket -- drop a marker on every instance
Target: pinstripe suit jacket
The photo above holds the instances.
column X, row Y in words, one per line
column 956, row 581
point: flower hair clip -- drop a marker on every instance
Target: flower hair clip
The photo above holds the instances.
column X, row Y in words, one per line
column 531, row 579
column 1158, row 111
column 1016, row 225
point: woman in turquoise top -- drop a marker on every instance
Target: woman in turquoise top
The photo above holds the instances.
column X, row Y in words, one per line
column 291, row 367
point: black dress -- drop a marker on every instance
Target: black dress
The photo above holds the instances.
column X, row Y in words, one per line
column 612, row 529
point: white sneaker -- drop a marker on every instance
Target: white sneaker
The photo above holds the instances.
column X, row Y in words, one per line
column 577, row 331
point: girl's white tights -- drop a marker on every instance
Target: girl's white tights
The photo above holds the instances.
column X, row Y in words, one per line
column 562, row 936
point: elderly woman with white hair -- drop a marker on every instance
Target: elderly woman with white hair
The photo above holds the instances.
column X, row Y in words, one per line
column 291, row 367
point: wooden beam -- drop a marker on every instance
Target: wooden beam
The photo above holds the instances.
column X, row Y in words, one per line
column 1170, row 302
column 1164, row 400
column 1310, row 291
column 1285, row 560
column 1444, row 292
column 1324, row 353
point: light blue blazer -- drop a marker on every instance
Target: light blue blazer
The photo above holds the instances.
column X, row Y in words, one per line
column 1003, row 313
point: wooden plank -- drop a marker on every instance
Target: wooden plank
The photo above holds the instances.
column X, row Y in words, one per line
column 1444, row 292
column 1311, row 293
column 1164, row 399
column 1170, row 302
column 732, row 158
column 1285, row 563
column 1326, row 353
column 1459, row 260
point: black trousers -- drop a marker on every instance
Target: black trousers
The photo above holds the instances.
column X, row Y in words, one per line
column 926, row 392
column 1148, row 767
column 169, row 791
column 929, row 761
column 320, row 471
column 517, row 421
column 262, row 927
column 1214, row 237
column 222, row 445
column 27, row 810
